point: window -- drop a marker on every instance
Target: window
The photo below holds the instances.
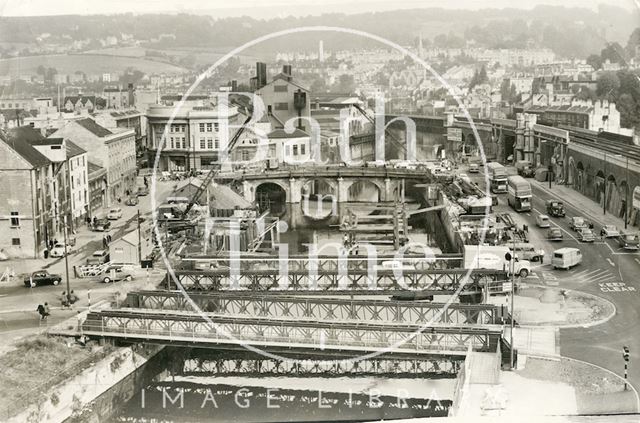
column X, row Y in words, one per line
column 202, row 144
column 280, row 88
column 217, row 141
column 202, row 127
column 210, row 143
column 295, row 150
column 245, row 155
column 172, row 143
column 282, row 106
column 209, row 127
column 15, row 220
column 215, row 126
column 15, row 242
column 71, row 162
column 302, row 149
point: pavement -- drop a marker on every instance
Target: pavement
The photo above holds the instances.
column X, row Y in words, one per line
column 606, row 271
column 18, row 316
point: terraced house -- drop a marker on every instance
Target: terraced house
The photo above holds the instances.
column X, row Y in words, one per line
column 112, row 149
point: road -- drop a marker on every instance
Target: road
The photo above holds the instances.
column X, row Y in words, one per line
column 606, row 271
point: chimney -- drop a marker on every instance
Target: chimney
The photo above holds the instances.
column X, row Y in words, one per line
column 261, row 75
column 234, row 85
column 286, row 69
column 131, row 99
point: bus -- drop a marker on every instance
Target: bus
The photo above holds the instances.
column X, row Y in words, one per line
column 519, row 193
column 497, row 177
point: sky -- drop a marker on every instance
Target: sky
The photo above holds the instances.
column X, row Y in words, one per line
column 268, row 8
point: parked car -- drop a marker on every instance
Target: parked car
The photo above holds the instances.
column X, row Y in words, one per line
column 554, row 234
column 404, row 164
column 101, row 225
column 42, row 277
column 629, row 241
column 543, row 221
column 114, row 214
column 143, row 191
column 132, row 201
column 59, row 250
column 577, row 223
column 609, row 231
column 586, row 235
column 98, row 257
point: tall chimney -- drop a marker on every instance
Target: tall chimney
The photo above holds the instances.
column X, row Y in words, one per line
column 131, row 100
column 261, row 75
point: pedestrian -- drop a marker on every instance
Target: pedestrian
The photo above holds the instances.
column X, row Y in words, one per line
column 119, row 200
column 80, row 319
column 64, row 300
column 89, row 298
column 47, row 310
column 73, row 298
column 50, row 244
column 46, row 253
column 108, row 238
column 95, row 220
column 542, row 259
column 104, row 242
column 40, row 311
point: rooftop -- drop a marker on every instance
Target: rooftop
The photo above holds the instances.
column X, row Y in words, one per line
column 73, row 149
column 280, row 133
column 91, row 126
column 25, row 150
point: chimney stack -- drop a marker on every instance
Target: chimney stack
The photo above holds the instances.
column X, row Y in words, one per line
column 286, row 69
column 261, row 75
column 131, row 100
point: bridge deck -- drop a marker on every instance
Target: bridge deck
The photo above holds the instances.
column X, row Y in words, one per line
column 326, row 309
column 199, row 331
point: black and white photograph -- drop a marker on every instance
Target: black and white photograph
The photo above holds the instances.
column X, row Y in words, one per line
column 308, row 211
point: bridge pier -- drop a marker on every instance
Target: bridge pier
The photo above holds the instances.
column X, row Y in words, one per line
column 295, row 191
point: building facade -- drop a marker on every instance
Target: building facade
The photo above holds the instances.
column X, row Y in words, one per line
column 113, row 149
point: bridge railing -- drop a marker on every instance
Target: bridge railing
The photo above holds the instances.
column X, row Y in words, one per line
column 292, row 333
column 324, row 309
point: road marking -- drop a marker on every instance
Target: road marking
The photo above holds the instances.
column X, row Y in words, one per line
column 528, row 214
column 611, row 262
column 615, row 287
column 637, row 260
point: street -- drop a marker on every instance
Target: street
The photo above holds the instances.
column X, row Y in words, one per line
column 606, row 271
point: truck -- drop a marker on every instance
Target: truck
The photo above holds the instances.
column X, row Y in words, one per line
column 519, row 193
column 525, row 169
column 497, row 177
column 555, row 208
column 493, row 257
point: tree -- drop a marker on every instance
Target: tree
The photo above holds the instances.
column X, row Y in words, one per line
column 595, row 61
column 508, row 91
column 482, row 76
column 614, row 53
column 633, row 43
column 345, row 84
column 608, row 85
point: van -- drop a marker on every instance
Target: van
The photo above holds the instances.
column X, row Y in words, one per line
column 566, row 258
column 526, row 251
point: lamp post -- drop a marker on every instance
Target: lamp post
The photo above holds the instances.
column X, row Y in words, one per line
column 604, row 185
column 64, row 231
column 626, row 194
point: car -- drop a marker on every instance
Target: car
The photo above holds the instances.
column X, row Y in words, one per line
column 404, row 164
column 101, row 225
column 576, row 223
column 586, row 235
column 543, row 221
column 143, row 191
column 115, row 276
column 59, row 250
column 115, row 213
column 98, row 257
column 474, row 168
column 132, row 201
column 42, row 277
column 609, row 231
column 463, row 176
column 629, row 241
column 554, row 234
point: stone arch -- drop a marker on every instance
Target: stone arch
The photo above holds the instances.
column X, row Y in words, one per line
column 623, row 190
column 613, row 195
column 579, row 177
column 360, row 190
column 571, row 172
column 319, row 197
column 272, row 195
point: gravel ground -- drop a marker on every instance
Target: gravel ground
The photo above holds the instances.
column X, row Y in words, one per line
column 586, row 379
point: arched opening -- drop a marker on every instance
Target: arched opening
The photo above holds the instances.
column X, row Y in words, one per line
column 319, row 198
column 272, row 197
column 579, row 177
column 599, row 187
column 572, row 171
column 623, row 190
column 364, row 191
column 613, row 196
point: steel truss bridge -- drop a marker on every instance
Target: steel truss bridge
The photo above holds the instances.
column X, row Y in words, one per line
column 318, row 309
column 249, row 262
column 362, row 282
column 187, row 329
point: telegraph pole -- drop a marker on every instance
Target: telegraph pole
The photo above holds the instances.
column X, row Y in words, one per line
column 64, row 231
column 139, row 240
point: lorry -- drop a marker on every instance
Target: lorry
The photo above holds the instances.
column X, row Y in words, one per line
column 493, row 257
column 525, row 169
column 555, row 208
column 497, row 177
column 519, row 193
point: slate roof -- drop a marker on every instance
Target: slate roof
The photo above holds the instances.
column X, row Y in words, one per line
column 91, row 126
column 25, row 150
column 280, row 133
column 74, row 150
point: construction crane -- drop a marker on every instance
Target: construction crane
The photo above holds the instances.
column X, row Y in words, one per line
column 214, row 172
column 395, row 140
